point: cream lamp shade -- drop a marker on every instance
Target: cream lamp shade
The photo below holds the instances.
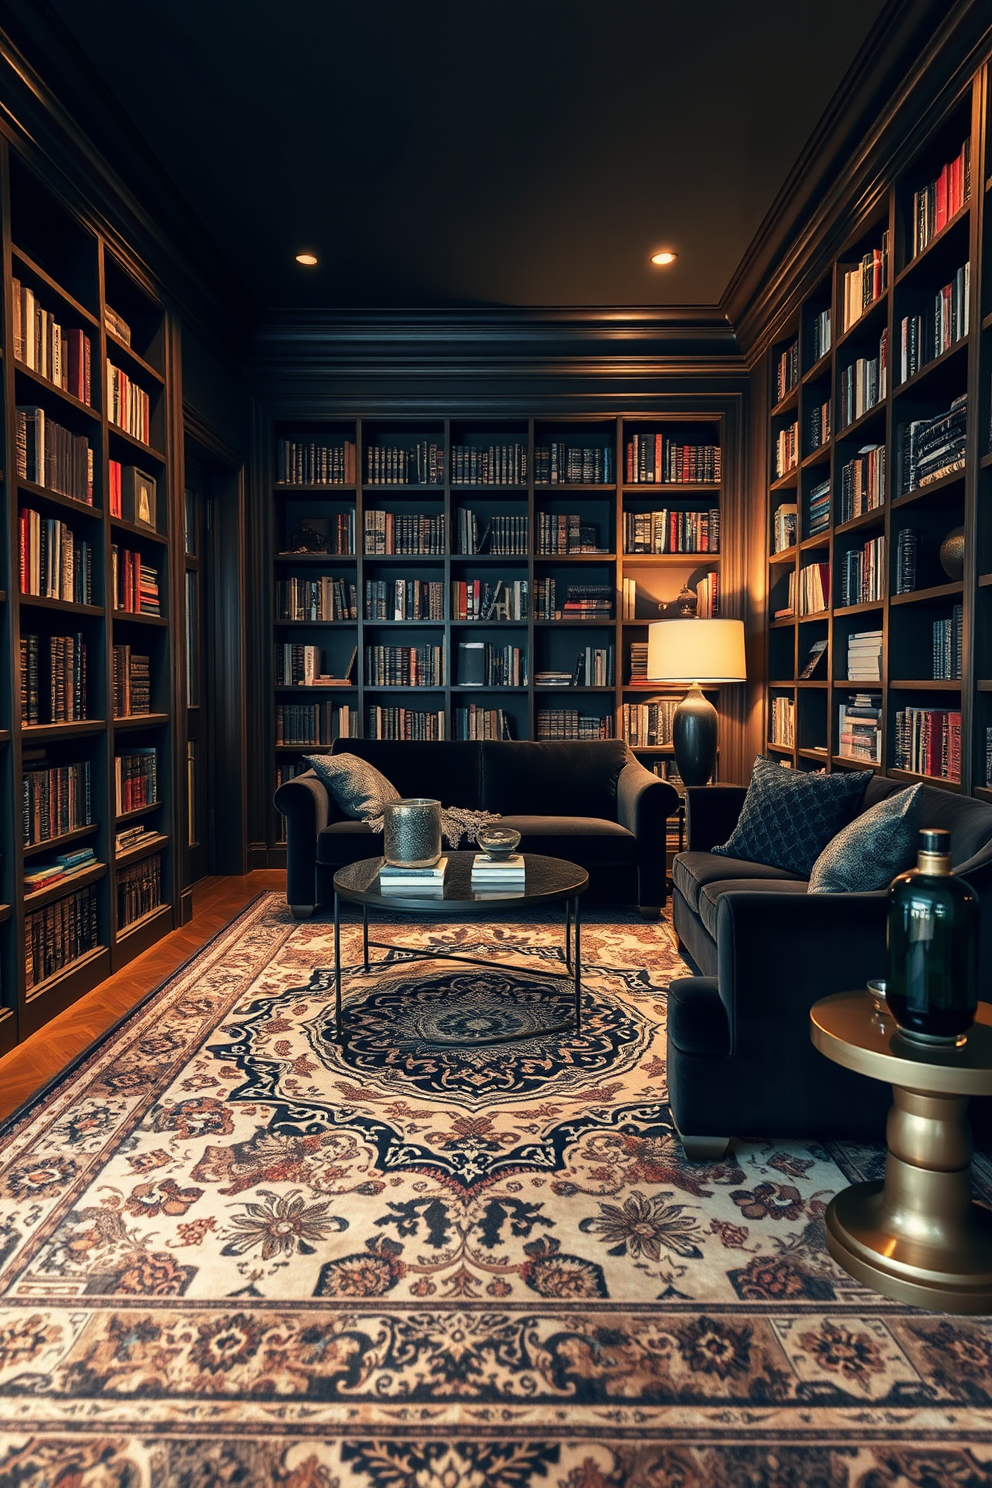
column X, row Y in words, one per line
column 706, row 651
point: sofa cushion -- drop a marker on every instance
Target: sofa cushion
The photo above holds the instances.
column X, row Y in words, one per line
column 358, row 788
column 712, row 893
column 554, row 777
column 697, row 1019
column 968, row 821
column 446, row 770
column 872, row 849
column 691, row 870
column 789, row 816
column 595, row 841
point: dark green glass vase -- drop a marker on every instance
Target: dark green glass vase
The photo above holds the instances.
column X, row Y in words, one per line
column 932, row 980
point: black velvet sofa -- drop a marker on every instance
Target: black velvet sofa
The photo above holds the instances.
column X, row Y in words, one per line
column 588, row 801
column 740, row 1059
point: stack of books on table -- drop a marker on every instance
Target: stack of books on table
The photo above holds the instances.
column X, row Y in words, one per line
column 499, row 876
column 393, row 880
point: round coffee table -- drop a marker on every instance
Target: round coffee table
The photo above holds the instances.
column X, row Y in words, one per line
column 917, row 1236
column 547, row 881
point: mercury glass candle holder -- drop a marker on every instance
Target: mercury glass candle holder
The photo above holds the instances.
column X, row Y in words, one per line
column 411, row 833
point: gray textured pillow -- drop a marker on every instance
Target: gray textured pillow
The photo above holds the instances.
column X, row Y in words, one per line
column 871, row 849
column 359, row 788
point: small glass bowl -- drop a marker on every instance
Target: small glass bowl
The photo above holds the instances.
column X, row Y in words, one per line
column 498, row 842
column 876, row 991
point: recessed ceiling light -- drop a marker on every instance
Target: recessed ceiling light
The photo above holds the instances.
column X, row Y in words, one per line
column 664, row 257
column 309, row 259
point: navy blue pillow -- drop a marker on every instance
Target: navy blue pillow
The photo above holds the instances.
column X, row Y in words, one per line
column 789, row 816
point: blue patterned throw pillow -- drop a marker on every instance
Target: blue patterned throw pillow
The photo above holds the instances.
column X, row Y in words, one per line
column 871, row 849
column 789, row 816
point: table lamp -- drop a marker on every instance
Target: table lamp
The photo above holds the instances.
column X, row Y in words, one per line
column 702, row 653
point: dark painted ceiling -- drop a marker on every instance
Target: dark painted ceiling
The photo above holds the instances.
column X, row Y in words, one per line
column 439, row 152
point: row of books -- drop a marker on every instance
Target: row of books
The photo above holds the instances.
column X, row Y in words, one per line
column 130, row 837
column 818, row 426
column 40, row 876
column 52, row 456
column 862, row 483
column 947, row 636
column 481, row 723
column 637, row 652
column 128, row 405
column 483, row 664
column 928, row 742
column 588, row 602
column 864, row 383
column 932, row 448
column 907, row 551
column 131, row 683
column 314, row 462
column 505, row 535
column 312, row 723
column 786, row 449
column 819, row 335
column 136, row 779
column 302, row 666
column 866, row 283
column 402, row 599
column 782, row 721
column 666, row 531
column 546, row 600
column 923, row 337
column 133, row 583
column 62, row 355
column 139, row 890
column 569, row 723
column 864, row 656
column 655, row 459
column 397, row 722
column 323, row 598
column 936, row 203
column 862, row 573
column 489, row 465
column 562, row 533
column 560, row 463
column 479, row 599
column 786, row 368
column 52, row 671
column 859, row 728
column 404, row 666
column 648, row 723
column 784, row 523
column 988, row 758
column 55, row 562
column 59, row 934
column 818, row 509
column 56, row 799
column 334, row 535
column 593, row 667
column 708, row 596
column 420, row 464
column 395, row 532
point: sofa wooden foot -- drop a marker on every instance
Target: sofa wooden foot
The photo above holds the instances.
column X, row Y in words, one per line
column 302, row 911
column 649, row 911
column 704, row 1149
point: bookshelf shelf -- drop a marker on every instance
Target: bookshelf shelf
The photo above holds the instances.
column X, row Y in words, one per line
column 5, row 912
column 138, row 812
column 43, row 731
column 140, row 720
column 160, row 912
column 132, row 529
column 926, row 684
column 53, row 498
column 55, row 844
column 128, row 617
column 116, row 432
column 919, row 260
column 93, row 960
column 66, row 606
column 926, row 596
column 23, row 371
column 930, row 493
column 121, row 349
column 143, row 848
column 937, row 366
column 69, row 884
column 25, row 262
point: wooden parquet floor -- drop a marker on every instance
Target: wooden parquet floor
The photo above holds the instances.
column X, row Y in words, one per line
column 32, row 1064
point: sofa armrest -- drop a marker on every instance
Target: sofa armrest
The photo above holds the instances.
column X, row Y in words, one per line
column 306, row 805
column 711, row 813
column 644, row 804
column 777, row 954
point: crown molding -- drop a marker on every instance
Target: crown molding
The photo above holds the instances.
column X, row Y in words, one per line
column 69, row 127
column 917, row 58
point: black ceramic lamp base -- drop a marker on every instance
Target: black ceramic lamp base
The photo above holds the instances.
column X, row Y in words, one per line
column 694, row 730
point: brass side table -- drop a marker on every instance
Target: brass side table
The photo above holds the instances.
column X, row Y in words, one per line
column 916, row 1236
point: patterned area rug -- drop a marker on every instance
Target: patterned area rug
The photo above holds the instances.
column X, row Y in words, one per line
column 233, row 1253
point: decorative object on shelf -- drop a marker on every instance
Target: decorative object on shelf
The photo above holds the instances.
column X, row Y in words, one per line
column 411, row 836
column 701, row 653
column 138, row 496
column 685, row 602
column 933, row 946
column 952, row 554
column 308, row 537
column 498, row 842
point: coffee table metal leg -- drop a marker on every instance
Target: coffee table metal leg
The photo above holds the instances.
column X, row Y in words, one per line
column 365, row 936
column 578, row 971
column 338, row 1027
column 568, row 934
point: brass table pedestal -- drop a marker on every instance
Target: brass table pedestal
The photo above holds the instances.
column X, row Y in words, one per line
column 916, row 1236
